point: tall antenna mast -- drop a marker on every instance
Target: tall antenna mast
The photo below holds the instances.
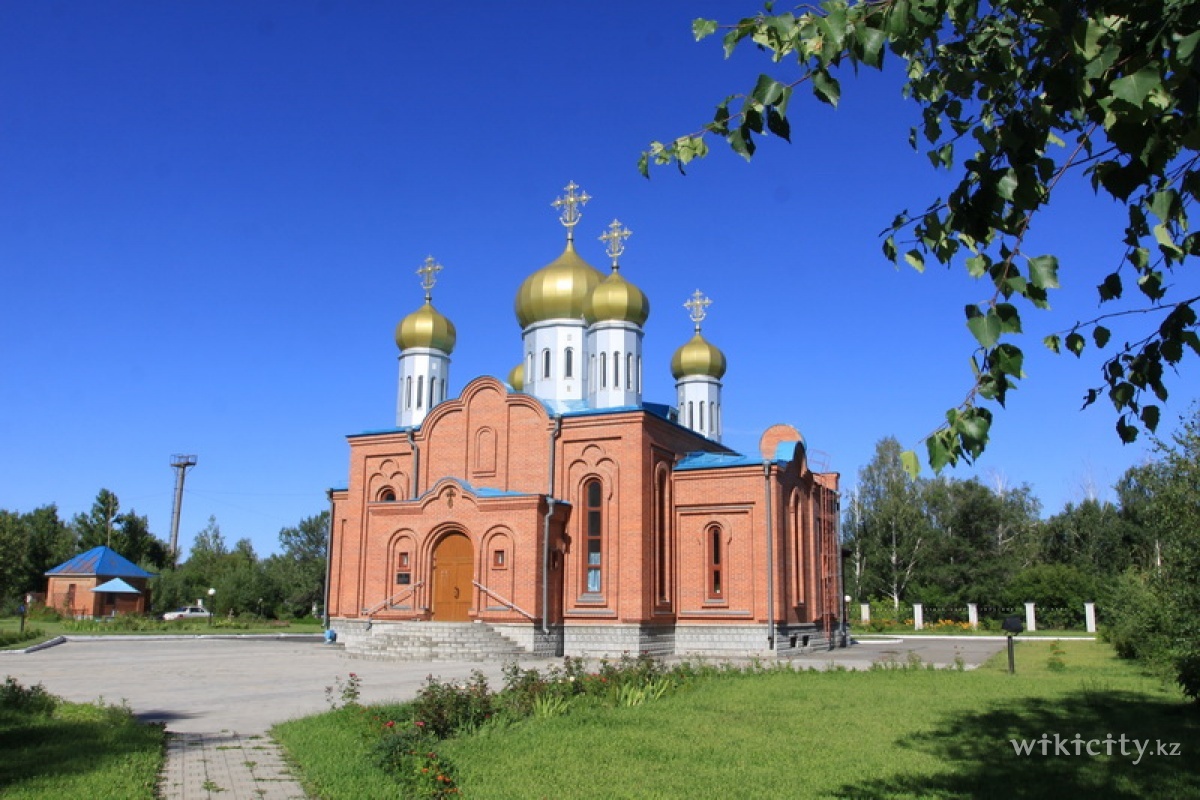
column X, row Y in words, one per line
column 180, row 464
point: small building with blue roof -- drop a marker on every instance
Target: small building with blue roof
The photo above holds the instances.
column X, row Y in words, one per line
column 98, row 583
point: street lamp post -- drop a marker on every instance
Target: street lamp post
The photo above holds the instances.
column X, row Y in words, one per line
column 212, row 605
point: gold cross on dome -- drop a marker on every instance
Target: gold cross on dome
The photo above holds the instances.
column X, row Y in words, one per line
column 615, row 241
column 698, row 307
column 570, row 208
column 428, row 273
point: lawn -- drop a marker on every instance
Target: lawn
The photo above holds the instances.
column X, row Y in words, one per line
column 895, row 733
column 145, row 626
column 56, row 749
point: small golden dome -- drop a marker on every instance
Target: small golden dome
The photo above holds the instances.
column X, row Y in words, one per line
column 516, row 378
column 557, row 290
column 616, row 299
column 426, row 327
column 698, row 357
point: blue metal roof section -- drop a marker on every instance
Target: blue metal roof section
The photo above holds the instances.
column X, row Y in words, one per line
column 102, row 561
column 381, row 431
column 117, row 586
column 704, row 460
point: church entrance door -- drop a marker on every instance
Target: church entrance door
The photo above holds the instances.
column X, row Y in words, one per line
column 453, row 568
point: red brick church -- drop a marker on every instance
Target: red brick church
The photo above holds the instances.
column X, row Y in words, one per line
column 560, row 513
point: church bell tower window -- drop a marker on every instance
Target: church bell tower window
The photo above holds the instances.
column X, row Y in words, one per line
column 593, row 536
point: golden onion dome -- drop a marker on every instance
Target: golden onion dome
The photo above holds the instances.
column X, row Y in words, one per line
column 698, row 357
column 426, row 327
column 557, row 290
column 516, row 378
column 616, row 299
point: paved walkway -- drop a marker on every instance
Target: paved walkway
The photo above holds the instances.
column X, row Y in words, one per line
column 219, row 696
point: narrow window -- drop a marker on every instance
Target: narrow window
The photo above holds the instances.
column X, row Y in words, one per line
column 714, row 564
column 498, row 559
column 594, row 532
column 660, row 526
column 546, row 363
column 592, row 373
column 530, row 375
column 569, row 363
column 420, row 389
column 702, row 415
column 603, row 370
column 433, row 382
column 629, row 371
column 616, row 370
column 403, row 576
column 408, row 392
column 691, row 414
column 639, row 383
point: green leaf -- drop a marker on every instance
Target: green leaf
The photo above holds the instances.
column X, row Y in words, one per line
column 1075, row 343
column 1111, row 288
column 826, row 87
column 703, row 28
column 1053, row 343
column 984, row 327
column 778, row 124
column 911, row 464
column 1043, row 272
column 1149, row 415
column 871, row 42
column 1135, row 88
column 1127, row 432
column 915, row 260
column 1100, row 335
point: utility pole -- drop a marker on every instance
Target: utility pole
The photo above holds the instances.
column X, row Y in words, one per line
column 180, row 464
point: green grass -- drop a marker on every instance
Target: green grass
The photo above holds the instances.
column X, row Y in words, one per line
column 148, row 627
column 900, row 733
column 80, row 750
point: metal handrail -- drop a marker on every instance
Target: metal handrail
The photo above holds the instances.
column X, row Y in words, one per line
column 504, row 602
column 367, row 612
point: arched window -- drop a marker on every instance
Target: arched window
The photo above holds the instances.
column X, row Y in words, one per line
column 603, row 370
column 387, row 495
column 594, row 536
column 408, row 392
column 592, row 373
column 691, row 414
column 433, row 398
column 420, row 389
column 569, row 363
column 616, row 370
column 530, row 375
column 701, row 415
column 661, row 566
column 639, row 375
column 629, row 371
column 715, row 564
column 546, row 363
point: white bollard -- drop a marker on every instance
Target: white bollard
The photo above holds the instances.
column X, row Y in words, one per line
column 1089, row 614
column 1030, row 618
column 973, row 615
column 918, row 617
column 865, row 608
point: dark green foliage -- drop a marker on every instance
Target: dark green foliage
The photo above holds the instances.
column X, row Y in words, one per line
column 33, row 700
column 1059, row 590
column 1015, row 96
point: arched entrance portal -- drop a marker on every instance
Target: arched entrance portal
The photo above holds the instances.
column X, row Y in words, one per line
column 453, row 569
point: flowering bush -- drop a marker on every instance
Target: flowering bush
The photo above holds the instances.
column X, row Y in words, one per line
column 408, row 751
column 444, row 709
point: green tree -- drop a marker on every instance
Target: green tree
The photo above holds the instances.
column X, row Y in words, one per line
column 298, row 571
column 48, row 543
column 12, row 556
column 886, row 532
column 95, row 529
column 1164, row 598
column 1016, row 96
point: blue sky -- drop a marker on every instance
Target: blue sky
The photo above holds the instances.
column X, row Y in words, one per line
column 211, row 214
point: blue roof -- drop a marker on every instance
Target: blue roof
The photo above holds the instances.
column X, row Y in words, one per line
column 716, row 461
column 117, row 586
column 101, row 561
column 481, row 491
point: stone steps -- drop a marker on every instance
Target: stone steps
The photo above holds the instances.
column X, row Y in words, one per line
column 426, row 641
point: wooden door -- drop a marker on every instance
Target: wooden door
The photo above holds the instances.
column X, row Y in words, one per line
column 453, row 569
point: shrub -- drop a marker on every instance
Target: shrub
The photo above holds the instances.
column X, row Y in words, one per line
column 408, row 752
column 448, row 708
column 30, row 700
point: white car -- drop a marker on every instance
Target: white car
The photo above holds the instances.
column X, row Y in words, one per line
column 187, row 612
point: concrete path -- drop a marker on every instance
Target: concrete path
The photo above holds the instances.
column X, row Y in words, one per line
column 219, row 696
